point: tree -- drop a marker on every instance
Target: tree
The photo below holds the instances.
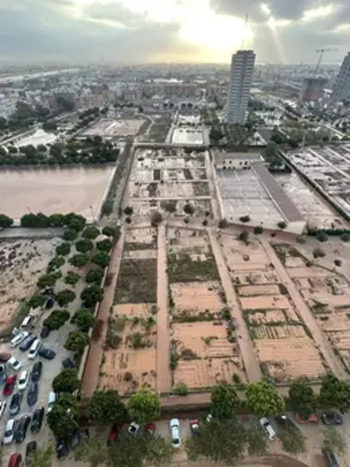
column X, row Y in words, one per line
column 104, row 245
column 220, row 441
column 335, row 393
column 244, row 218
column 106, row 407
column 257, row 442
column 63, row 418
column 91, row 232
column 55, row 263
column 111, row 231
column 94, row 275
column 91, row 450
column 76, row 342
column 345, row 237
column 322, row 237
column 41, row 457
column 47, row 280
column 84, row 319
column 37, row 301
column 264, row 400
column 244, row 236
column 222, row 224
column 224, row 401
column 5, row 221
column 91, row 295
column 65, row 296
column 66, row 381
column 71, row 278
column 158, row 451
column 156, row 218
column 63, row 249
column 302, row 399
column 74, row 221
column 127, row 452
column 56, row 220
column 282, row 225
column 79, row 260
column 84, row 245
column 189, row 209
column 101, row 259
column 292, row 439
column 334, row 440
column 180, row 389
column 144, row 406
column 128, row 210
column 271, row 155
column 318, row 253
column 70, row 235
column 258, row 230
column 56, row 319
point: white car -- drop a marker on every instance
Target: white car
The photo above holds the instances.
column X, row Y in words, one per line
column 23, row 380
column 175, row 432
column 10, row 429
column 14, row 364
column 51, row 400
column 266, row 425
column 3, row 405
column 33, row 351
column 133, row 429
column 19, row 338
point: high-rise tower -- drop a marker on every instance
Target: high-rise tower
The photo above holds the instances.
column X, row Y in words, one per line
column 342, row 85
column 242, row 68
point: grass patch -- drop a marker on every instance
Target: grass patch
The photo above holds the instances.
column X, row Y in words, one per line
column 137, row 281
column 181, row 268
column 138, row 246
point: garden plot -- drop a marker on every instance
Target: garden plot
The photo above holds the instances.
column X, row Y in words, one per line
column 109, row 128
column 137, row 281
column 129, row 361
column 268, row 302
column 197, row 297
column 241, row 257
column 196, row 240
column 256, row 290
column 22, row 262
column 188, row 267
column 269, row 316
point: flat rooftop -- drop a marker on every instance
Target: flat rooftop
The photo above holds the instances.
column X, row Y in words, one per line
column 221, row 156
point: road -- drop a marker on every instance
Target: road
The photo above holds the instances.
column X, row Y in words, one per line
column 163, row 338
column 305, row 313
column 246, row 347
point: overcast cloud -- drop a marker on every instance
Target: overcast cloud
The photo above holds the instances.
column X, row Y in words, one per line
column 140, row 31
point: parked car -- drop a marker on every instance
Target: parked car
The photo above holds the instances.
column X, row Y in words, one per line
column 3, row 373
column 23, row 380
column 28, row 341
column 51, row 400
column 62, row 449
column 34, row 349
column 331, row 418
column 175, row 432
column 30, row 448
column 330, row 458
column 15, row 364
column 22, row 428
column 194, row 425
column 285, row 421
column 113, row 434
column 49, row 303
column 75, row 439
column 32, row 394
column 36, row 371
column 37, row 420
column 10, row 384
column 19, row 338
column 45, row 332
column 3, row 405
column 68, row 363
column 266, row 426
column 4, row 357
column 46, row 353
column 15, row 460
column 10, row 430
column 133, row 429
column 28, row 320
column 15, row 404
column 312, row 419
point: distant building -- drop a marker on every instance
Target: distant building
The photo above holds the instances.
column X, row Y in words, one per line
column 312, row 89
column 235, row 160
column 342, row 85
column 242, row 68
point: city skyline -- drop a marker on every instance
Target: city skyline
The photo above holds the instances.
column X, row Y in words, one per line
column 182, row 31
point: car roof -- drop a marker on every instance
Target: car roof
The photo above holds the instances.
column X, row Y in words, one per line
column 10, row 423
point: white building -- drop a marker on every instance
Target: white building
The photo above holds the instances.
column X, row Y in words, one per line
column 242, row 68
column 235, row 160
column 342, row 85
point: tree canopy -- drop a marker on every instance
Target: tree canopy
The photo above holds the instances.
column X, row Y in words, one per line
column 79, row 260
column 302, row 399
column 264, row 400
column 84, row 319
column 335, row 393
column 56, row 319
column 101, row 259
column 66, row 381
column 224, row 401
column 91, row 295
column 94, row 275
column 63, row 418
column 41, row 457
column 5, row 221
column 77, row 341
column 144, row 406
column 84, row 245
column 106, row 407
column 91, row 232
column 65, row 296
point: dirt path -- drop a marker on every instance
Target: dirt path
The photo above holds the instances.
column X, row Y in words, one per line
column 245, row 344
column 212, row 187
column 92, row 368
column 163, row 338
column 305, row 313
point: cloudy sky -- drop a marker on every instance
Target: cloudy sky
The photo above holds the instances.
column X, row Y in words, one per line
column 140, row 31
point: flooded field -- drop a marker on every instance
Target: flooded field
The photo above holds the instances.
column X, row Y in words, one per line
column 80, row 190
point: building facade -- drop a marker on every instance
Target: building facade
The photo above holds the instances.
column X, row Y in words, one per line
column 242, row 68
column 235, row 160
column 342, row 85
column 312, row 89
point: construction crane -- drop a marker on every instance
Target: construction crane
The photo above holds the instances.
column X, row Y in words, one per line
column 321, row 52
